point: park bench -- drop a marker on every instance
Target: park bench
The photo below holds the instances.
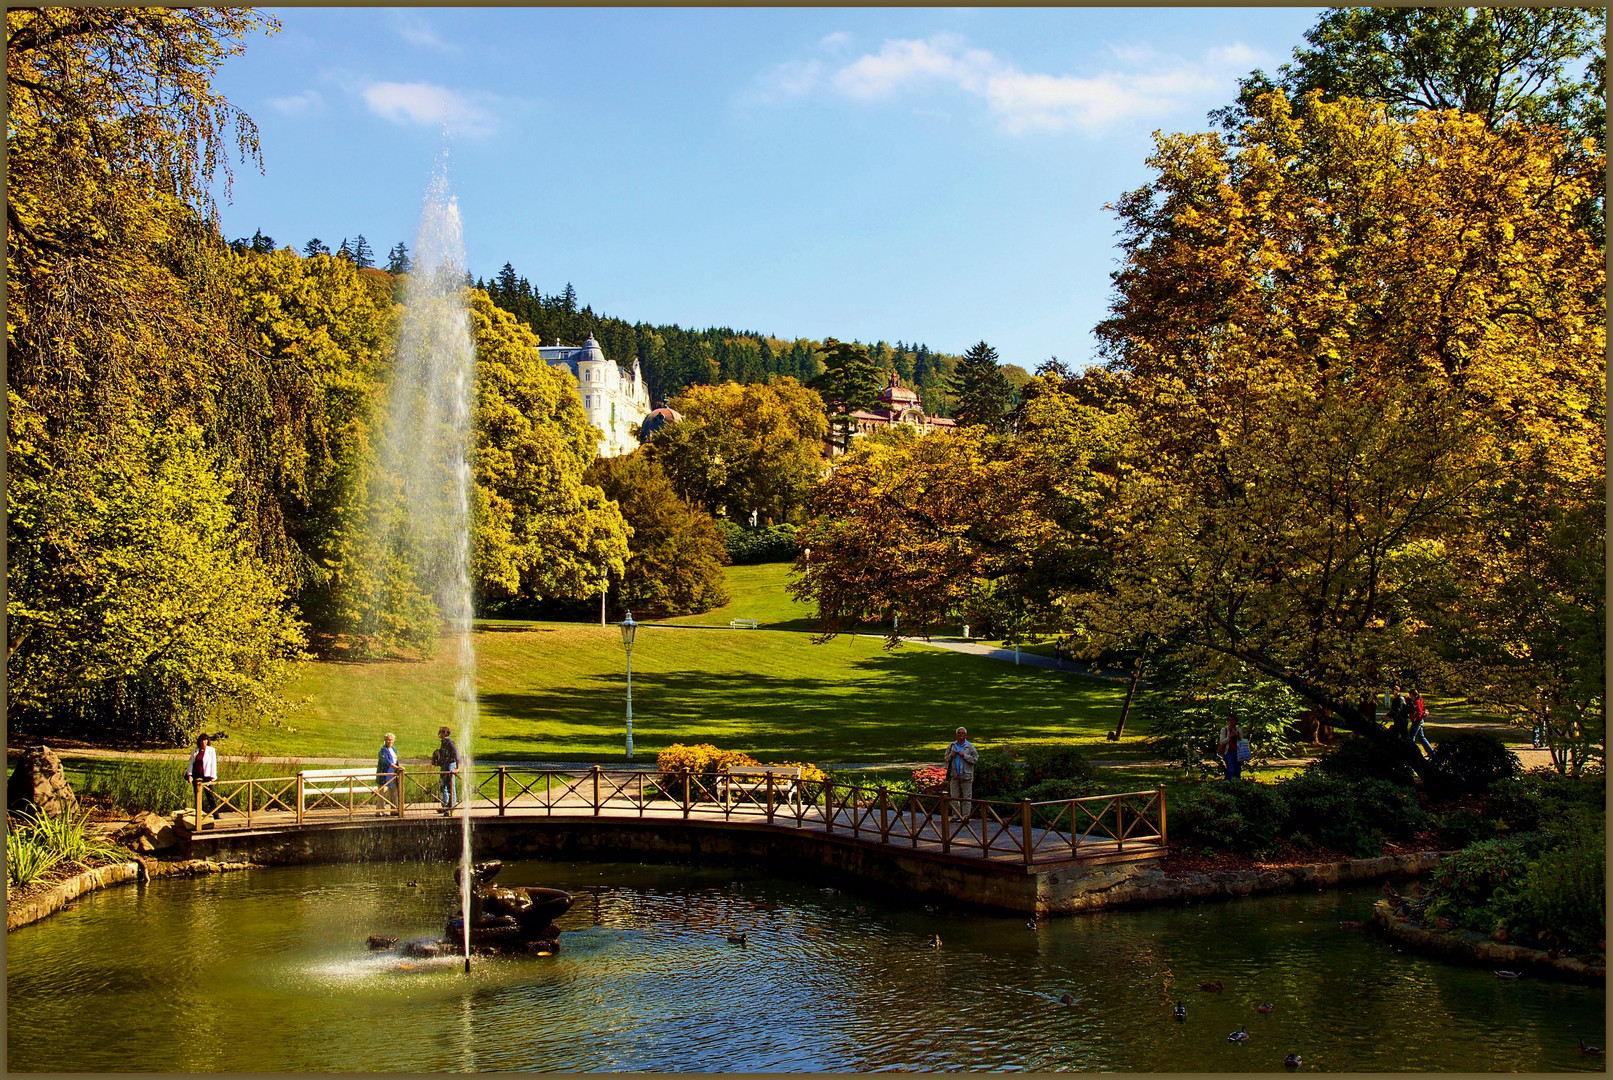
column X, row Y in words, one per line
column 344, row 789
column 742, row 624
column 752, row 780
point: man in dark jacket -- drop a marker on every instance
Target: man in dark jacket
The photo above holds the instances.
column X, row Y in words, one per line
column 446, row 758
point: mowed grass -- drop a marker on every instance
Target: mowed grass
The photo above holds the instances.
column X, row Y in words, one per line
column 758, row 592
column 555, row 691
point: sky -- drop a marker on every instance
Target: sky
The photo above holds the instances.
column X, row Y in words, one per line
column 934, row 176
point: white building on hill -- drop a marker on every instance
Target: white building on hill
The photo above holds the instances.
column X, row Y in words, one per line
column 616, row 401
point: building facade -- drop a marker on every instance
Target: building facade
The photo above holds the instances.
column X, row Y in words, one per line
column 897, row 405
column 615, row 401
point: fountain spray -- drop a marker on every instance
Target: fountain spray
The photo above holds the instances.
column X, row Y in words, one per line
column 428, row 454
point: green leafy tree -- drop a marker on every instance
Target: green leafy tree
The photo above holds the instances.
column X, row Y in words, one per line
column 982, row 390
column 850, row 381
column 740, row 449
column 676, row 554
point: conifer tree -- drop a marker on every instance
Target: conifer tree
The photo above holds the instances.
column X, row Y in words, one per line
column 363, row 256
column 397, row 261
column 981, row 388
column 849, row 382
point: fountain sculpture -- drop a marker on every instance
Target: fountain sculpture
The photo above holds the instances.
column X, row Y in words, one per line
column 502, row 920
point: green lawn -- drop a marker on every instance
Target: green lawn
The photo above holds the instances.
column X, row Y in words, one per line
column 758, row 593
column 555, row 691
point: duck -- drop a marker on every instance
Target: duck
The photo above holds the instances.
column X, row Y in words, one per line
column 1032, row 926
column 1509, row 974
column 1241, row 1035
column 1293, row 1061
column 1066, row 998
column 936, row 942
column 1213, row 987
column 1588, row 1051
column 1265, row 1007
column 736, row 939
column 411, row 884
column 1180, row 1012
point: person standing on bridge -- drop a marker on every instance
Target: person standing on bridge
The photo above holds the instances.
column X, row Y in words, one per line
column 446, row 758
column 961, row 758
column 386, row 766
column 203, row 769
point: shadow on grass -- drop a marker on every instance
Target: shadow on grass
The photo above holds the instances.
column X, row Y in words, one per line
column 905, row 704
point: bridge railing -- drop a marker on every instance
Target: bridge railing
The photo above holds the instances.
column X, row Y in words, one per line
column 1043, row 831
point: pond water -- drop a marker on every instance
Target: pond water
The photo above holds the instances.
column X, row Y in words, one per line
column 268, row 971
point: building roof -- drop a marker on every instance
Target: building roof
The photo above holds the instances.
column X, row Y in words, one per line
column 898, row 396
column 658, row 419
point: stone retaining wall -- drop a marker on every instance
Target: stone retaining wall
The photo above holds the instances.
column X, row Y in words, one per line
column 33, row 908
column 1471, row 948
column 1151, row 885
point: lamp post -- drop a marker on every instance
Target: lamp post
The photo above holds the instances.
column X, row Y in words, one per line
column 629, row 631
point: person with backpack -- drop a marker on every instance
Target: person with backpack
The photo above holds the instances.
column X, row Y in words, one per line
column 446, row 758
column 1231, row 737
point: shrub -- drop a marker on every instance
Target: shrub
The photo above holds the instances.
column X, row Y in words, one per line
column 1355, row 758
column 37, row 843
column 1391, row 808
column 1049, row 790
column 929, row 779
column 772, row 543
column 1462, row 885
column 1527, row 803
column 1463, row 827
column 1053, row 761
column 1468, row 762
column 27, row 858
column 1241, row 816
column 997, row 774
column 1326, row 808
column 702, row 761
column 1562, row 900
column 1517, row 803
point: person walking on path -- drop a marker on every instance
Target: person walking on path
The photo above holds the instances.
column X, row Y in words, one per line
column 1417, row 713
column 386, row 767
column 1231, row 736
column 960, row 762
column 446, row 758
column 1399, row 712
column 203, row 769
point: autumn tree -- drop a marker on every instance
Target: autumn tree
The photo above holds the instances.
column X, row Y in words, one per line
column 1348, row 338
column 982, row 390
column 744, row 448
column 676, row 555
column 850, row 381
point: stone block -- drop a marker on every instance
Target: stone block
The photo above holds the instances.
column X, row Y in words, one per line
column 38, row 781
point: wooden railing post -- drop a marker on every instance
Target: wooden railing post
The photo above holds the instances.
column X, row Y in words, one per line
column 400, row 795
column 501, row 772
column 1025, row 843
column 770, row 796
column 250, row 799
column 884, row 807
column 985, row 829
column 1162, row 841
column 946, row 822
column 828, row 805
column 299, row 798
column 596, row 790
column 856, row 828
column 640, row 794
column 1120, row 824
column 198, row 785
column 686, row 796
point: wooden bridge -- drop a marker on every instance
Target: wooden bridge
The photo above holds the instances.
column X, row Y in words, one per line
column 1011, row 854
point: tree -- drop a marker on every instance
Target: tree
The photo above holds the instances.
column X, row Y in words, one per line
column 540, row 530
column 676, row 556
column 738, row 449
column 981, row 388
column 849, row 382
column 314, row 247
column 1346, row 340
column 397, row 260
column 363, row 255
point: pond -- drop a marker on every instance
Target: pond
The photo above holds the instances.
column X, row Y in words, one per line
column 268, row 971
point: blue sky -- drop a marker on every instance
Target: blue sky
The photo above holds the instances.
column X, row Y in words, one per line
column 933, row 176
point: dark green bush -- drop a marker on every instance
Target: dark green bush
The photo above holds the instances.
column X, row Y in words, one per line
column 1051, row 761
column 997, row 774
column 1241, row 816
column 771, row 543
column 1048, row 790
column 1354, row 758
column 1468, row 762
column 1462, row 827
column 1562, row 900
column 1462, row 885
column 1326, row 808
column 1391, row 808
column 1527, row 803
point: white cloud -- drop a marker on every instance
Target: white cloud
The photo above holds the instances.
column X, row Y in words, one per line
column 1023, row 102
column 307, row 101
column 835, row 42
column 425, row 103
column 417, row 31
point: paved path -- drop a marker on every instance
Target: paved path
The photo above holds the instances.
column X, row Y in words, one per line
column 1026, row 659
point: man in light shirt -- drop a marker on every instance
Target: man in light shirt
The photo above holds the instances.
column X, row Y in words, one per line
column 961, row 758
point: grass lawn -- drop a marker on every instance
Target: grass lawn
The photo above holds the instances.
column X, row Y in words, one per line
column 758, row 593
column 555, row 691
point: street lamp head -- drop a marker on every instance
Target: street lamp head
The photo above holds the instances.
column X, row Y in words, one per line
column 629, row 630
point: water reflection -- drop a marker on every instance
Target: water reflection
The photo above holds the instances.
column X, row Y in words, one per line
column 268, row 971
